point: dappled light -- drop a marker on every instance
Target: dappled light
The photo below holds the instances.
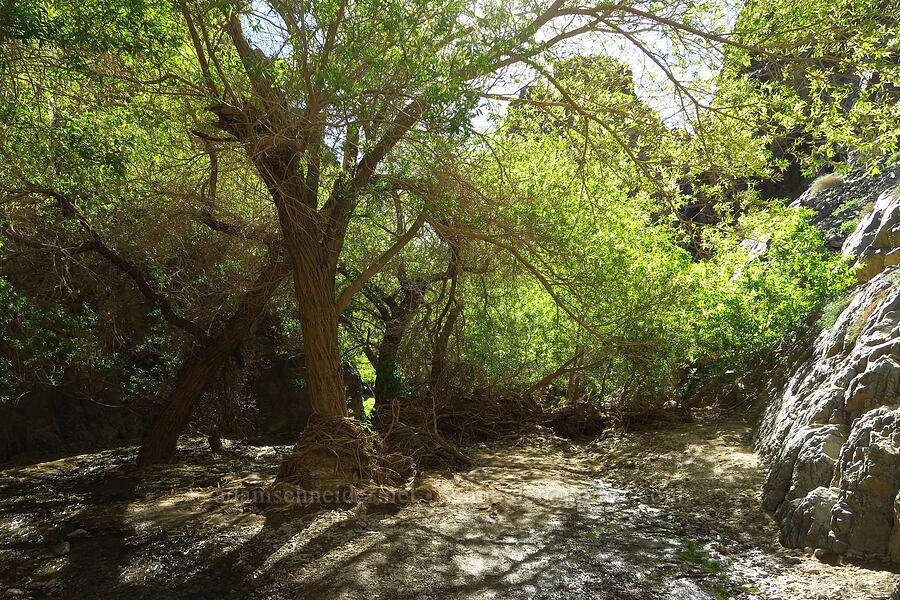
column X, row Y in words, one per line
column 450, row 299
column 531, row 518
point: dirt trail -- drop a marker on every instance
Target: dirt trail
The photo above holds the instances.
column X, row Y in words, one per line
column 667, row 514
column 707, row 474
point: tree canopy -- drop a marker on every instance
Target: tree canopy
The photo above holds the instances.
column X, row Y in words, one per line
column 458, row 193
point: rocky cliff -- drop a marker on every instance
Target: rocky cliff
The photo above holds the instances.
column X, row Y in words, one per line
column 61, row 420
column 830, row 423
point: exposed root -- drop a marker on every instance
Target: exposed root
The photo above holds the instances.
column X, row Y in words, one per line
column 335, row 463
column 427, row 449
column 575, row 420
column 429, row 428
column 635, row 418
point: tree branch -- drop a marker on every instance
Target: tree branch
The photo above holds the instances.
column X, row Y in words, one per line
column 124, row 265
column 348, row 292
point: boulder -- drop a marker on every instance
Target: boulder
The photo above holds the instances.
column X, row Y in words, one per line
column 829, row 425
column 77, row 535
column 806, row 521
column 876, row 241
column 868, row 477
column 61, row 549
column 842, row 203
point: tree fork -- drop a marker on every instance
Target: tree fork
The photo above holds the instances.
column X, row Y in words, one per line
column 161, row 439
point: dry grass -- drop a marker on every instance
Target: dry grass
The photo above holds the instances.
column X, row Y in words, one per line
column 824, row 182
column 856, row 327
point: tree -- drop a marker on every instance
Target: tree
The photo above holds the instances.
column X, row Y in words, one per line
column 102, row 183
column 335, row 106
column 829, row 100
column 329, row 100
column 416, row 69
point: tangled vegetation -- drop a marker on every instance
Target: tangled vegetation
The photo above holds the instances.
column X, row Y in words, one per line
column 452, row 197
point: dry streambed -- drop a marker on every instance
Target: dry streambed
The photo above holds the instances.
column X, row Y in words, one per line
column 669, row 514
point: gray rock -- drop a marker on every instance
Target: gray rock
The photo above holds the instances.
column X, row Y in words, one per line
column 830, row 417
column 843, row 202
column 42, row 587
column 61, row 549
column 77, row 535
column 895, row 595
column 868, row 476
column 806, row 521
column 825, row 555
column 876, row 241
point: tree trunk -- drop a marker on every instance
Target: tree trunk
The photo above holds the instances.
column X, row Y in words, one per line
column 396, row 320
column 354, row 391
column 319, row 324
column 195, row 375
column 332, row 454
column 215, row 444
column 450, row 314
column 387, row 382
column 439, row 359
column 173, row 417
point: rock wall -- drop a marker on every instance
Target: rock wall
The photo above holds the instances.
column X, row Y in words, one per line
column 830, row 426
column 282, row 406
column 58, row 420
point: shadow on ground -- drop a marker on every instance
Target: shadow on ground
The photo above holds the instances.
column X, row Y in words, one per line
column 536, row 518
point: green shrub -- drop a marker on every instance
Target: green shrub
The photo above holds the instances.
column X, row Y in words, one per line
column 893, row 159
column 831, row 311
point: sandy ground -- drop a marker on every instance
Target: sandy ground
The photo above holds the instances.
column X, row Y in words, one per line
column 708, row 473
column 672, row 513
